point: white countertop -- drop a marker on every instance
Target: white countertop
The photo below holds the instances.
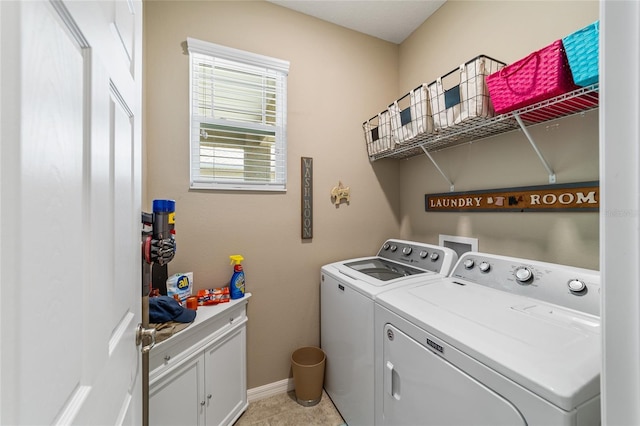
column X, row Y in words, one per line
column 205, row 314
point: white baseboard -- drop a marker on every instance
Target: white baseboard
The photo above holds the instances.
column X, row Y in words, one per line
column 270, row 389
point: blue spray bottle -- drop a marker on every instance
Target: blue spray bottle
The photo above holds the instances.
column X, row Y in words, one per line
column 236, row 285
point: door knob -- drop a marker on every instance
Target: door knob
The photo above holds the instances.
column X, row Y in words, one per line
column 144, row 335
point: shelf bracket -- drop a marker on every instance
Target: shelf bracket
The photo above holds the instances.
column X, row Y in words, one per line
column 451, row 187
column 552, row 175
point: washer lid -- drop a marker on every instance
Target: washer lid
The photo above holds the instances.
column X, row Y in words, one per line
column 383, row 269
column 550, row 350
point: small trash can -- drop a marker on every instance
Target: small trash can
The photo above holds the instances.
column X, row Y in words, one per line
column 307, row 364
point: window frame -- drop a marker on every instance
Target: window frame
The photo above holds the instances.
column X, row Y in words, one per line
column 271, row 65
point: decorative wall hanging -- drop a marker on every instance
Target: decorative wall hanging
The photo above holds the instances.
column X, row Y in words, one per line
column 339, row 193
column 306, row 197
column 580, row 196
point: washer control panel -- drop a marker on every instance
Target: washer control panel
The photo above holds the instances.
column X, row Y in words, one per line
column 419, row 255
column 563, row 285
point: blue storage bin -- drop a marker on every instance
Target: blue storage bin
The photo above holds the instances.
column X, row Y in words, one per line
column 581, row 48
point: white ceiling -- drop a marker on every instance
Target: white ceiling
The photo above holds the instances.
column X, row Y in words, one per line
column 390, row 20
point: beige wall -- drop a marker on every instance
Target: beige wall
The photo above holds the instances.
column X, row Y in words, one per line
column 507, row 31
column 338, row 79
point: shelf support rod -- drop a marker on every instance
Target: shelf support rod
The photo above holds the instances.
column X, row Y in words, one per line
column 451, row 188
column 552, row 175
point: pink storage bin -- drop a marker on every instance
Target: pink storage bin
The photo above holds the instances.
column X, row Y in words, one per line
column 541, row 75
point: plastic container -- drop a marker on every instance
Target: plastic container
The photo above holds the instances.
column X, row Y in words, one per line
column 192, row 303
column 308, row 364
column 582, row 53
column 541, row 75
column 236, row 285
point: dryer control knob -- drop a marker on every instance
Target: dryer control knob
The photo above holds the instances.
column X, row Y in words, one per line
column 386, row 246
column 523, row 274
column 577, row 286
column 469, row 263
column 423, row 254
column 407, row 251
column 484, row 267
column 434, row 256
column 394, row 247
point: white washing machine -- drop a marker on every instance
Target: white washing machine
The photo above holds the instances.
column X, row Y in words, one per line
column 501, row 341
column 347, row 292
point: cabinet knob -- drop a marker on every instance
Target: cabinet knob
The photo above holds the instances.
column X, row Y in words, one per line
column 202, row 403
column 167, row 358
column 209, row 396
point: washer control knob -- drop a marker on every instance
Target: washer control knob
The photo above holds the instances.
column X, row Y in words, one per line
column 407, row 251
column 423, row 254
column 386, row 246
column 434, row 256
column 484, row 267
column 469, row 263
column 523, row 274
column 577, row 286
column 394, row 247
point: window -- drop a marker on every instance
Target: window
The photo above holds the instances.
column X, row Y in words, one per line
column 238, row 119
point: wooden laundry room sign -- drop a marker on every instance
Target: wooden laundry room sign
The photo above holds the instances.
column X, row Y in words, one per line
column 580, row 196
column 306, row 178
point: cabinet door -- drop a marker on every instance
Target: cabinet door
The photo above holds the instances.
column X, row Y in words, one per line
column 177, row 398
column 226, row 378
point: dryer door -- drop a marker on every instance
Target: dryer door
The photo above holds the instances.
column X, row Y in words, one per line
column 423, row 388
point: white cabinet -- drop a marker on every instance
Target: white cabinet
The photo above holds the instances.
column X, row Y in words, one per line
column 198, row 376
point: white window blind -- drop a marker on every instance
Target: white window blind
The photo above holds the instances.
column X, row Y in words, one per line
column 238, row 119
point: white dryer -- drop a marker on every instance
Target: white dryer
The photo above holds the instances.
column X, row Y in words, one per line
column 347, row 292
column 501, row 341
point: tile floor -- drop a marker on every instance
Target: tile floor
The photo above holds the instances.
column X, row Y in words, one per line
column 283, row 410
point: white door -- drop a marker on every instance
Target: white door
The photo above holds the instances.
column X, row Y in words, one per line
column 620, row 210
column 70, row 201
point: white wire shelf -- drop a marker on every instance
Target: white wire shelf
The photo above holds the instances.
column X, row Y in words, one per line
column 575, row 102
